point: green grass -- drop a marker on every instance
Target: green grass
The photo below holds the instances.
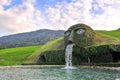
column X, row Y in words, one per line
column 16, row 56
column 113, row 34
column 56, row 44
column 107, row 37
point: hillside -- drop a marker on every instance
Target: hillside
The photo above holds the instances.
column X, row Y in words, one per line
column 113, row 34
column 16, row 56
column 27, row 55
column 30, row 38
column 57, row 44
column 30, row 55
column 107, row 37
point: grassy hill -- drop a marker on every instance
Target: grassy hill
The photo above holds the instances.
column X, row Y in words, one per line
column 107, row 37
column 57, row 44
column 16, row 56
column 30, row 55
column 113, row 34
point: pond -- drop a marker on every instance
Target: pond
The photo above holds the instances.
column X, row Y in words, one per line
column 58, row 74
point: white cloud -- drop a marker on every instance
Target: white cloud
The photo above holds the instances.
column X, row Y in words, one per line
column 66, row 14
column 109, row 20
column 25, row 17
column 5, row 2
column 21, row 18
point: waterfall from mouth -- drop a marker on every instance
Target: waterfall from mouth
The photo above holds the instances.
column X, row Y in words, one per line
column 68, row 56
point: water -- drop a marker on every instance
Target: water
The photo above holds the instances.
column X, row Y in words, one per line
column 58, row 74
column 68, row 57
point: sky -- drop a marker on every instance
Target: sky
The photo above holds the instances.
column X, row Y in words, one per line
column 17, row 16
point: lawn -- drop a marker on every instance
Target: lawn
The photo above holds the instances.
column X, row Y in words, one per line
column 16, row 56
column 113, row 33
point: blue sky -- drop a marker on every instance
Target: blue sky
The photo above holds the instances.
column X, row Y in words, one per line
column 39, row 4
column 96, row 11
column 43, row 4
column 17, row 16
column 13, row 3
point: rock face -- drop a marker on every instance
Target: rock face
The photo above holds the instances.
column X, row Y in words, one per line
column 80, row 34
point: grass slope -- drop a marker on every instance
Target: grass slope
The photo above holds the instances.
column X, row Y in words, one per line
column 107, row 37
column 113, row 34
column 16, row 56
column 56, row 44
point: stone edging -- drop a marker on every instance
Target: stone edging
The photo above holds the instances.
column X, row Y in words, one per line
column 58, row 66
column 102, row 67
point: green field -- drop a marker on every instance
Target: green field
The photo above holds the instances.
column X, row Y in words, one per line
column 113, row 34
column 107, row 37
column 30, row 54
column 16, row 56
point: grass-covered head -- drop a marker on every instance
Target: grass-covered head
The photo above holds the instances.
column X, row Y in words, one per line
column 80, row 34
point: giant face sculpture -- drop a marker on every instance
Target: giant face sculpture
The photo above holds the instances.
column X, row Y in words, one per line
column 80, row 34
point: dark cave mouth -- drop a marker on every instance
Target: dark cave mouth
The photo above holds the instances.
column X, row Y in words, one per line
column 116, row 56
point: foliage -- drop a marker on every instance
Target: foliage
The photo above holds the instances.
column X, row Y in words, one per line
column 54, row 57
column 101, row 53
column 83, row 39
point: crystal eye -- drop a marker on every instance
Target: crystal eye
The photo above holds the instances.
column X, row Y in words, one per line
column 67, row 33
column 80, row 31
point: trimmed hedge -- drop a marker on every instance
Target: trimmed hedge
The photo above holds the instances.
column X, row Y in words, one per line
column 90, row 54
column 96, row 50
column 53, row 57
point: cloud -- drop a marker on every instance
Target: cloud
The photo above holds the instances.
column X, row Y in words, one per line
column 109, row 20
column 25, row 17
column 66, row 14
column 20, row 18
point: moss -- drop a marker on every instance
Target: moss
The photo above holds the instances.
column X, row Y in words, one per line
column 80, row 34
column 52, row 57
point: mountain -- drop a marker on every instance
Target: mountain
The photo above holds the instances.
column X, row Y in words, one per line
column 30, row 38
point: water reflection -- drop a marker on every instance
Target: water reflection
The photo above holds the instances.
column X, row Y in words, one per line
column 69, row 74
column 117, row 77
